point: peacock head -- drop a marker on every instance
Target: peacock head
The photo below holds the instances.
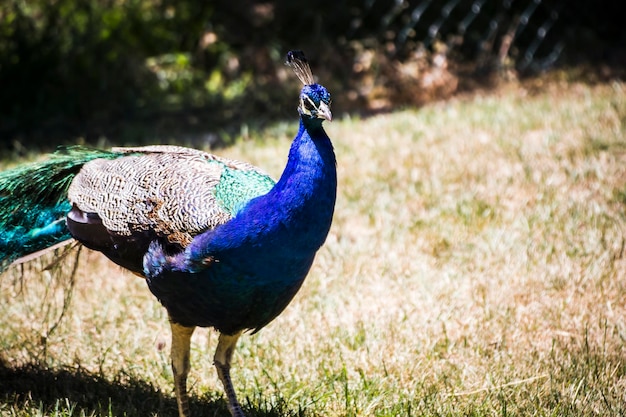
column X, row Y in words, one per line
column 314, row 98
column 315, row 102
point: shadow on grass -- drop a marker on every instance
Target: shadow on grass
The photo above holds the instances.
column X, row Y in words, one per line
column 75, row 392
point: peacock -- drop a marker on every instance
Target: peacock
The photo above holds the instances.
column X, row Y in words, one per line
column 219, row 242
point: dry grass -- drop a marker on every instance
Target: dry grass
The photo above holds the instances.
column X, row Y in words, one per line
column 475, row 267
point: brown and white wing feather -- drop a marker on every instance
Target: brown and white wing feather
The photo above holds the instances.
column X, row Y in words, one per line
column 165, row 189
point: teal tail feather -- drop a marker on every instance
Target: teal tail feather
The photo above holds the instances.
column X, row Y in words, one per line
column 33, row 202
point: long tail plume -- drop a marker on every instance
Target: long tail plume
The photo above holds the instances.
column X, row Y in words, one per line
column 33, row 202
column 298, row 62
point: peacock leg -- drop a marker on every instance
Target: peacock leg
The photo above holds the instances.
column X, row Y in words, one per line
column 223, row 355
column 181, row 340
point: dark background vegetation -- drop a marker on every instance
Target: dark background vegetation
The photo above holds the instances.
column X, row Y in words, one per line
column 137, row 71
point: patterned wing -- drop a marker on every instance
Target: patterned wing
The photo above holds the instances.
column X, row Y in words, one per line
column 172, row 191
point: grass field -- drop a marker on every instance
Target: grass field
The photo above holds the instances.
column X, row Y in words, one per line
column 476, row 267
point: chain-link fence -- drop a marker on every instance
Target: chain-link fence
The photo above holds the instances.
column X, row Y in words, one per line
column 530, row 35
column 523, row 33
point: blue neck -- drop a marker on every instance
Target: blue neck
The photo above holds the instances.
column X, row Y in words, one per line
column 290, row 222
column 307, row 188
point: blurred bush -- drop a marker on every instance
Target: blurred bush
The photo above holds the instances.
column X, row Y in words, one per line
column 144, row 70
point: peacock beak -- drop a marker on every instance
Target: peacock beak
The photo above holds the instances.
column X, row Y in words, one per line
column 323, row 112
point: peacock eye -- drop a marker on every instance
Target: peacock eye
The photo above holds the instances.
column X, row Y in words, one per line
column 308, row 104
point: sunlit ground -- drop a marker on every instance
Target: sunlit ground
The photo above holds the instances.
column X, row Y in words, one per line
column 475, row 267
